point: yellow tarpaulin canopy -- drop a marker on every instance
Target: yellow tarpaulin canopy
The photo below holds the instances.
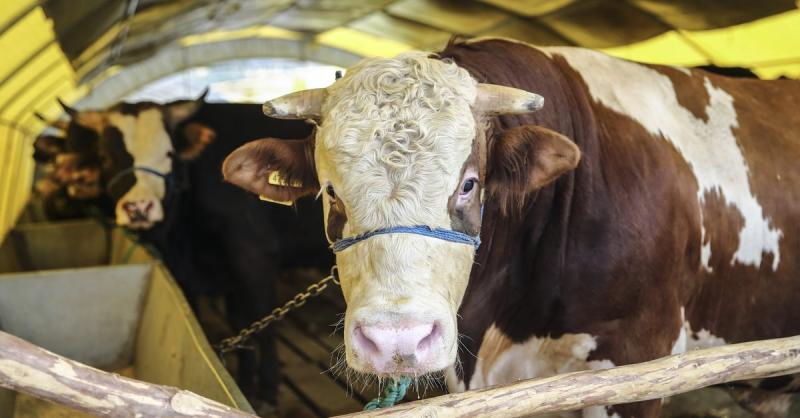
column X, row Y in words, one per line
column 34, row 69
column 770, row 47
column 33, row 72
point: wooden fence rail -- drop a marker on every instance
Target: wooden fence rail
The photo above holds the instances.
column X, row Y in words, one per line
column 30, row 369
column 633, row 383
column 35, row 371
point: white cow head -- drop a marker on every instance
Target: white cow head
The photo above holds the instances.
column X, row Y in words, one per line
column 402, row 142
column 135, row 143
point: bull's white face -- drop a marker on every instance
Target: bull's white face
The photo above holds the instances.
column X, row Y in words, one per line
column 391, row 151
column 402, row 142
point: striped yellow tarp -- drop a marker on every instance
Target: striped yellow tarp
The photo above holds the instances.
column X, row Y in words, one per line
column 33, row 72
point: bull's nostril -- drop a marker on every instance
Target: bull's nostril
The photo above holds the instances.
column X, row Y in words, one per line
column 365, row 342
column 428, row 339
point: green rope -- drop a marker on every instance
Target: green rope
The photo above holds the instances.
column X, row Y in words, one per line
column 136, row 242
column 391, row 395
column 128, row 253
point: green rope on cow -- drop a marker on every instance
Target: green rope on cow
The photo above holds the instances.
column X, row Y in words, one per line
column 391, row 395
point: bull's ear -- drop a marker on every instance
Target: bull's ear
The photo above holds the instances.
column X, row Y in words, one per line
column 195, row 138
column 525, row 159
column 277, row 170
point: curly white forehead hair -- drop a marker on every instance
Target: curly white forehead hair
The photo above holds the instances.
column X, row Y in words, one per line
column 397, row 131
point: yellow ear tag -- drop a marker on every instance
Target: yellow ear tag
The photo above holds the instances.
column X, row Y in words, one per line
column 275, row 179
column 280, row 202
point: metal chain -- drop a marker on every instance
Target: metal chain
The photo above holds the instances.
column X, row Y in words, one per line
column 230, row 344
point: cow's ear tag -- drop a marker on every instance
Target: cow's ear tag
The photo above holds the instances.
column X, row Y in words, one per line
column 280, row 202
column 275, row 179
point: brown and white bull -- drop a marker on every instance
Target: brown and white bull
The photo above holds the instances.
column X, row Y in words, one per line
column 679, row 228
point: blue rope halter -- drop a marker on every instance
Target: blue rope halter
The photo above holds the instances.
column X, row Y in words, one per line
column 439, row 233
column 117, row 177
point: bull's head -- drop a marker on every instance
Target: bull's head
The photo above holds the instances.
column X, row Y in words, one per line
column 403, row 142
column 133, row 144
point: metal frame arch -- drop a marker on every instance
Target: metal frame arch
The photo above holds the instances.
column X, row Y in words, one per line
column 111, row 86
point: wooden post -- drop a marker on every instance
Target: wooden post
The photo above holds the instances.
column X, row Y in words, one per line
column 633, row 383
column 29, row 369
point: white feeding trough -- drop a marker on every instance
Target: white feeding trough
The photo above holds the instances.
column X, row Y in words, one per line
column 63, row 288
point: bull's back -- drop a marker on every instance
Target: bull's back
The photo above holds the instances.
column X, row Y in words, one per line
column 730, row 148
column 739, row 140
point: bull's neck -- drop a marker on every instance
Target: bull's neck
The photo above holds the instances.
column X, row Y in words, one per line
column 518, row 271
column 518, row 280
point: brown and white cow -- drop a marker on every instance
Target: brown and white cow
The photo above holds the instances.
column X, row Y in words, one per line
column 679, row 228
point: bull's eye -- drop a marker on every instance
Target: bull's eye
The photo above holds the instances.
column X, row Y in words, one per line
column 330, row 192
column 468, row 185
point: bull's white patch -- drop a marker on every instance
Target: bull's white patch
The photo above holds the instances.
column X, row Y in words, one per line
column 703, row 339
column 692, row 340
column 710, row 148
column 599, row 412
column 705, row 248
column 679, row 346
column 502, row 361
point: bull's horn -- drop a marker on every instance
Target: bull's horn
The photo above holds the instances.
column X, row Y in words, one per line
column 57, row 123
column 202, row 97
column 304, row 104
column 70, row 111
column 497, row 100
